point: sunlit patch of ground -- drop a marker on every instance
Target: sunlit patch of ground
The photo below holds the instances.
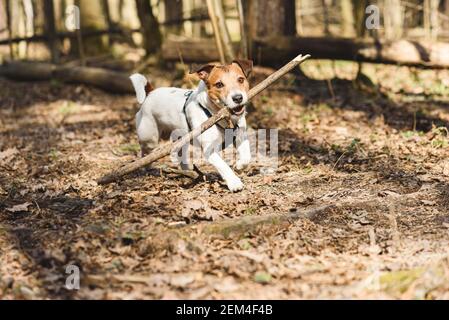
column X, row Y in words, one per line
column 381, row 157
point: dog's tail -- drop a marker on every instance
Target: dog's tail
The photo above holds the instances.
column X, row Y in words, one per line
column 142, row 86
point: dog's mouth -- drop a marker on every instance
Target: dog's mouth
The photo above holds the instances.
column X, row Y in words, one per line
column 238, row 110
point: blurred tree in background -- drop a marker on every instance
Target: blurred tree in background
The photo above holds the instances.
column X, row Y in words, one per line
column 263, row 29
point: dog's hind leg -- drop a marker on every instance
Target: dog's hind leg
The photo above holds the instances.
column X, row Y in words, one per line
column 147, row 132
column 185, row 157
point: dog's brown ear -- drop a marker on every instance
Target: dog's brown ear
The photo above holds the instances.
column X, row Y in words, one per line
column 245, row 65
column 202, row 71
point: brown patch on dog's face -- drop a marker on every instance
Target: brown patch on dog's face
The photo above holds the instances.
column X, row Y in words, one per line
column 227, row 84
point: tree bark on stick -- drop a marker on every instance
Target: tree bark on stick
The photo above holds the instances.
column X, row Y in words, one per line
column 224, row 113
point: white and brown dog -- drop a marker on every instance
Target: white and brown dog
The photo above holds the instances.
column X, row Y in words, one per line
column 165, row 110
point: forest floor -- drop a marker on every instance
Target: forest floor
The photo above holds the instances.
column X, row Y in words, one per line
column 377, row 159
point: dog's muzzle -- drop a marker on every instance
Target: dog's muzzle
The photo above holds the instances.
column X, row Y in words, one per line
column 238, row 110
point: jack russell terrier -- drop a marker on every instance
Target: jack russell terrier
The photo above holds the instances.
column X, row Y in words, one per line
column 164, row 110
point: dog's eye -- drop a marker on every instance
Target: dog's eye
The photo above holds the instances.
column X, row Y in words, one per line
column 219, row 84
column 241, row 79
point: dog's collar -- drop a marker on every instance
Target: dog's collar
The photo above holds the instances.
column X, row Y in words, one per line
column 233, row 127
column 222, row 124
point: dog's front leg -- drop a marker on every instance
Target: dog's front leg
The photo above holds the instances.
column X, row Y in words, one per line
column 243, row 146
column 232, row 181
column 211, row 141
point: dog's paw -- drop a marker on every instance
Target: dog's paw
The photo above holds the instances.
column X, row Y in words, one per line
column 186, row 166
column 242, row 163
column 235, row 184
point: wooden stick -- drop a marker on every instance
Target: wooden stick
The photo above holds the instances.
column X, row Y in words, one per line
column 224, row 113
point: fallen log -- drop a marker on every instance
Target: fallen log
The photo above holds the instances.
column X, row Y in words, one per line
column 269, row 51
column 108, row 80
column 67, row 35
column 27, row 71
column 224, row 113
column 169, row 238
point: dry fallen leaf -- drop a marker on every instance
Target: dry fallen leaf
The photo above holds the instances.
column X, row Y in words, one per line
column 19, row 207
column 182, row 280
column 226, row 285
column 8, row 153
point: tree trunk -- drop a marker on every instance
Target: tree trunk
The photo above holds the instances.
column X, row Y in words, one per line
column 29, row 18
column 217, row 33
column 244, row 50
column 446, row 12
column 359, row 7
column 149, row 25
column 347, row 19
column 434, row 19
column 173, row 11
column 224, row 32
column 9, row 27
column 107, row 15
column 3, row 24
column 393, row 19
column 272, row 51
column 39, row 18
column 271, row 18
column 50, row 30
column 91, row 19
column 325, row 5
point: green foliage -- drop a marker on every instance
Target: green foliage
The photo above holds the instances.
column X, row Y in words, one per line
column 262, row 277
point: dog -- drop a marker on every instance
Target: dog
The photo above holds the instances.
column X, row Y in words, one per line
column 166, row 109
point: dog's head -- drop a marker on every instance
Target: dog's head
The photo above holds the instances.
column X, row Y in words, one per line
column 227, row 85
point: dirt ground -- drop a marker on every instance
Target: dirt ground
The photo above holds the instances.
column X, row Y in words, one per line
column 377, row 158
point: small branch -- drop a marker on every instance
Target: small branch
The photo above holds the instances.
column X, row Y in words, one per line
column 168, row 238
column 214, row 20
column 243, row 29
column 223, row 29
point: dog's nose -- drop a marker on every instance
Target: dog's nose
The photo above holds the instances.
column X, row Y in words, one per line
column 237, row 98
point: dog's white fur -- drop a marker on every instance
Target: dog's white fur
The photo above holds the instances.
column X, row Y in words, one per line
column 161, row 113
